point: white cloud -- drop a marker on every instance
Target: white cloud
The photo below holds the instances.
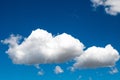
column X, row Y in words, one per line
column 58, row 70
column 72, row 69
column 37, row 66
column 112, row 7
column 40, row 73
column 40, row 47
column 113, row 70
column 95, row 57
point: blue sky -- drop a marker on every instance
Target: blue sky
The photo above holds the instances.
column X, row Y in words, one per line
column 78, row 18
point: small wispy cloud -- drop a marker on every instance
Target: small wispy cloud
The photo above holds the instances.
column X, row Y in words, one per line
column 40, row 73
column 114, row 70
column 37, row 66
column 111, row 7
column 58, row 70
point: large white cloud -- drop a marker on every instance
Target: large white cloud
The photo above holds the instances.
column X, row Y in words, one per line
column 41, row 47
column 112, row 7
column 95, row 57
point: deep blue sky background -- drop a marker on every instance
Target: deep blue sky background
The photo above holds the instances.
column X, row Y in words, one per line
column 75, row 17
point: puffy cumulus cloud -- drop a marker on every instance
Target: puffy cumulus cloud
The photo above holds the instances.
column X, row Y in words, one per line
column 40, row 47
column 58, row 70
column 112, row 7
column 95, row 57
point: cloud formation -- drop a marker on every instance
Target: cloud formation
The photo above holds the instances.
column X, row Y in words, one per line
column 58, row 70
column 40, row 47
column 40, row 73
column 111, row 7
column 95, row 57
column 113, row 70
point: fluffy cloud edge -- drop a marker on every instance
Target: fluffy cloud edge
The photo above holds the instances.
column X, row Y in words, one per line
column 40, row 47
column 58, row 70
column 97, row 57
column 111, row 7
column 113, row 70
